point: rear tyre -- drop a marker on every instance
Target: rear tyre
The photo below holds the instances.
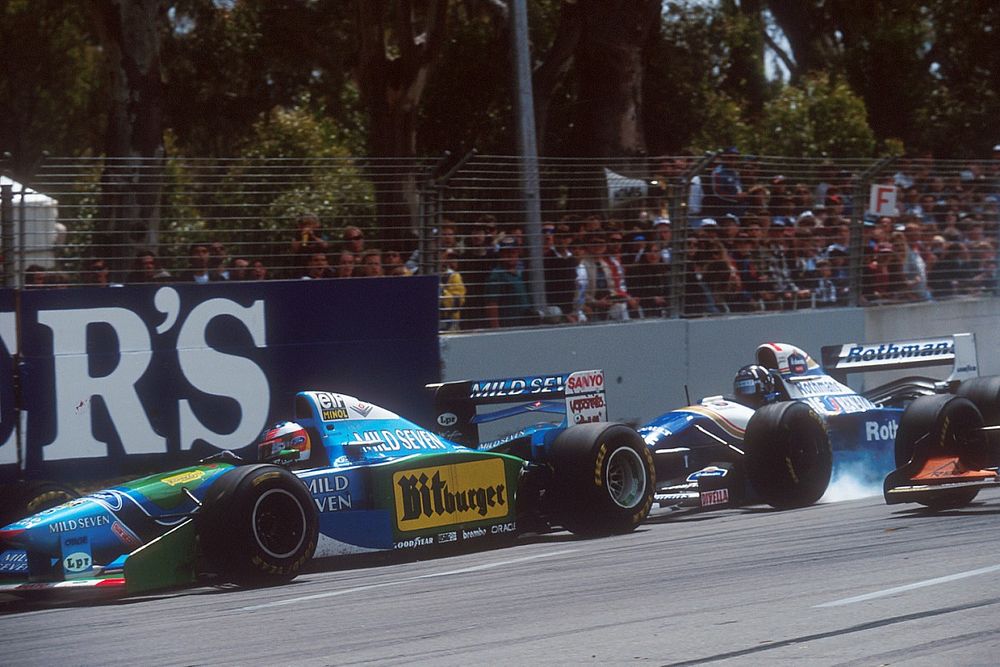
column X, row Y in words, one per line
column 984, row 392
column 951, row 425
column 24, row 498
column 603, row 479
column 258, row 526
column 788, row 455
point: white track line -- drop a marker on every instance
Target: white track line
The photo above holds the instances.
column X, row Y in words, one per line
column 910, row 587
column 345, row 591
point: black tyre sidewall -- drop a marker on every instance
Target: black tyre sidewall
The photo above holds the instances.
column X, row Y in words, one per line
column 226, row 525
column 581, row 457
column 24, row 498
column 984, row 392
column 773, row 436
column 932, row 417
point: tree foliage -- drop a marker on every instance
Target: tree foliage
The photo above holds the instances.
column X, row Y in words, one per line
column 405, row 77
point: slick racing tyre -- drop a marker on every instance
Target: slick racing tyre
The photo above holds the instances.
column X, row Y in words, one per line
column 24, row 498
column 984, row 392
column 258, row 525
column 603, row 479
column 949, row 426
column 788, row 455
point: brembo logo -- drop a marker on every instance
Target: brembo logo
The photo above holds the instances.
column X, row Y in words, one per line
column 443, row 495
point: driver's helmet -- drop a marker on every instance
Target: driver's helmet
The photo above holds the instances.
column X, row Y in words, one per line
column 754, row 385
column 284, row 443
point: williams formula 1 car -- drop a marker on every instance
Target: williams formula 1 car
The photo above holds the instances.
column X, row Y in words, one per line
column 348, row 477
column 791, row 423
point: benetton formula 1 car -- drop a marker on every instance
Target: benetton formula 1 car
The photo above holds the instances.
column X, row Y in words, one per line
column 792, row 423
column 347, row 477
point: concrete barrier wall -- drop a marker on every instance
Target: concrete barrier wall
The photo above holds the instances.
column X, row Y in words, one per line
column 648, row 363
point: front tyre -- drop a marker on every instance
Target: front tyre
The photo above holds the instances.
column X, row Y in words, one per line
column 942, row 425
column 258, row 526
column 789, row 459
column 603, row 479
column 23, row 498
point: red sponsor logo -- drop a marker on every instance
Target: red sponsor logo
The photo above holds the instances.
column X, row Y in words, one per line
column 714, row 497
column 587, row 403
column 126, row 537
column 591, row 381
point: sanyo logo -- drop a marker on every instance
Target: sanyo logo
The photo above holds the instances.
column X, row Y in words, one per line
column 206, row 369
column 875, row 432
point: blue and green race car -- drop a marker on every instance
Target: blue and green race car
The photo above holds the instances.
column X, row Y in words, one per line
column 348, row 477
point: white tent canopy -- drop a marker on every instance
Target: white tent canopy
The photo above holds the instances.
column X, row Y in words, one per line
column 42, row 233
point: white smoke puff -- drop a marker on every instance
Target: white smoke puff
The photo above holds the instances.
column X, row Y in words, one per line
column 857, row 474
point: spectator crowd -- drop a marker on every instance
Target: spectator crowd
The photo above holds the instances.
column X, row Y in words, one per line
column 754, row 241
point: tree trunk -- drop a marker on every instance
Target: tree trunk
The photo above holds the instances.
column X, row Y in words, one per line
column 130, row 32
column 609, row 66
column 391, row 88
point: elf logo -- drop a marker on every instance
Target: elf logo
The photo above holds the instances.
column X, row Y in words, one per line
column 875, row 432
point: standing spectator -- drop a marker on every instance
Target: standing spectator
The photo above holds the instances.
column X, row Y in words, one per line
column 146, row 269
column 97, row 274
column 625, row 306
column 664, row 237
column 946, row 277
column 307, row 242
column 392, row 263
column 560, row 268
column 593, row 280
column 758, row 291
column 452, row 291
column 914, row 269
column 725, row 191
column 650, row 280
column 507, row 302
column 371, row 263
column 198, row 264
column 219, row 261
column 34, row 276
column 780, row 265
column 259, row 271
column 346, row 261
column 825, row 293
column 698, row 298
column 318, row 267
column 475, row 263
column 353, row 240
column 240, row 269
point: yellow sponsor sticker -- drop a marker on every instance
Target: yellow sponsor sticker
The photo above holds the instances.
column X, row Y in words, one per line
column 450, row 494
column 333, row 414
column 184, row 477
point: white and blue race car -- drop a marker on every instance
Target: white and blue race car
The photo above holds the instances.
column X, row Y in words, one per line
column 791, row 422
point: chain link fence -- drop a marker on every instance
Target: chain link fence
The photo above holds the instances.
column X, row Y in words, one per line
column 621, row 239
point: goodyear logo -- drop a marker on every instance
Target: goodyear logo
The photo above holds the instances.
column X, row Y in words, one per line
column 334, row 413
column 184, row 477
column 443, row 495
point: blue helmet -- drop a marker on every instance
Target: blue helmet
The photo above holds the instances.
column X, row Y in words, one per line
column 754, row 385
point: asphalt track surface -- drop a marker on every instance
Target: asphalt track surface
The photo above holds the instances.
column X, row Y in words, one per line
column 849, row 583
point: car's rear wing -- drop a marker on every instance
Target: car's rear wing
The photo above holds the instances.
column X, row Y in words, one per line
column 958, row 351
column 578, row 396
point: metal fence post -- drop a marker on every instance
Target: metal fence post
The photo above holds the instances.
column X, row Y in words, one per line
column 856, row 261
column 7, row 234
column 681, row 227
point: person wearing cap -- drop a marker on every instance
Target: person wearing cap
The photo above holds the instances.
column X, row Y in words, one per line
column 663, row 234
column 560, row 268
column 506, row 297
column 725, row 189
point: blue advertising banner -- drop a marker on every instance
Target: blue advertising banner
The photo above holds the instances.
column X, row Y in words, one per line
column 116, row 380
